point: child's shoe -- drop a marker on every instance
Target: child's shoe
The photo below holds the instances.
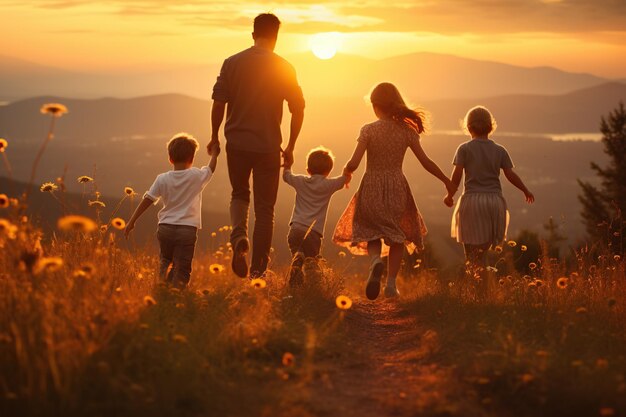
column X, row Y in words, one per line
column 239, row 262
column 296, row 276
column 372, row 288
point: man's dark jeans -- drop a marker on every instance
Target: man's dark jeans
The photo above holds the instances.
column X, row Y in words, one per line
column 177, row 244
column 265, row 171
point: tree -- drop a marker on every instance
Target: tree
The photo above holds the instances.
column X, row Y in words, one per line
column 603, row 207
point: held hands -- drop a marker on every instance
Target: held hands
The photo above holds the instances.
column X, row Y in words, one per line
column 213, row 148
column 448, row 200
column 287, row 158
column 451, row 188
column 348, row 174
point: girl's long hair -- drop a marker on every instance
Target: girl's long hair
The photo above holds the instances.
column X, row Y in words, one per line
column 388, row 99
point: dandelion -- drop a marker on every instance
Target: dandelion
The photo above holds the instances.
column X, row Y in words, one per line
column 562, row 282
column 96, row 203
column 512, row 243
column 288, row 359
column 523, row 248
column 54, row 109
column 48, row 187
column 118, row 223
column 129, row 191
column 532, row 266
column 216, row 268
column 77, row 224
column 149, row 301
column 4, row 201
column 343, row 302
column 84, row 179
column 498, row 249
column 258, row 283
column 3, row 144
column 48, row 264
column 179, row 338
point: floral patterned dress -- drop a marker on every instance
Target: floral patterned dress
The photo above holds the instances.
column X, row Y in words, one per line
column 383, row 206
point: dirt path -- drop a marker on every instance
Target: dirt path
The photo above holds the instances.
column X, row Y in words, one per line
column 389, row 374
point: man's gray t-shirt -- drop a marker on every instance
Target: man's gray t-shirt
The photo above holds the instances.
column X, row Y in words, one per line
column 482, row 160
column 254, row 83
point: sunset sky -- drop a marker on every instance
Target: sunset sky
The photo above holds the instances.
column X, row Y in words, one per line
column 128, row 35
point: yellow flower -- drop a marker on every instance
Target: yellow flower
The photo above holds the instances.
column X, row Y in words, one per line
column 258, row 283
column 562, row 282
column 213, row 234
column 4, row 201
column 103, row 228
column 501, row 281
column 55, row 109
column 96, row 203
column 148, row 300
column 80, row 274
column 523, row 248
column 343, row 302
column 48, row 187
column 3, row 144
column 48, row 264
column 118, row 223
column 342, row 254
column 76, row 223
column 129, row 191
column 532, row 266
column 88, row 268
column 512, row 243
column 288, row 359
column 616, row 258
column 498, row 249
column 216, row 268
column 84, row 178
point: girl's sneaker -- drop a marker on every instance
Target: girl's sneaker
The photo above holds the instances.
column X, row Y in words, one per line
column 372, row 288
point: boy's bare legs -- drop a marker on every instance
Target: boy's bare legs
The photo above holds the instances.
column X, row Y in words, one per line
column 372, row 288
column 395, row 259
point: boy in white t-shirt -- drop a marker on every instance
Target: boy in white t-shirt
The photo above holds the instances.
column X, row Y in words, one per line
column 313, row 193
column 180, row 218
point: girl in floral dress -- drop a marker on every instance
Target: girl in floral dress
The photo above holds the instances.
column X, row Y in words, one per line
column 382, row 215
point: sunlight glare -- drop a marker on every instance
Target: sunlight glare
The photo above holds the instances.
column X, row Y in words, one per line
column 325, row 45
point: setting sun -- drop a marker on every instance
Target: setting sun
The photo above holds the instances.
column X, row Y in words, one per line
column 325, row 45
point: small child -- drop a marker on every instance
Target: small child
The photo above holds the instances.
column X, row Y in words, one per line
column 179, row 219
column 481, row 218
column 313, row 193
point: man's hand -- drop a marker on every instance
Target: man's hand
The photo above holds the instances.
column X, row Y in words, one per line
column 129, row 228
column 213, row 145
column 448, row 201
column 287, row 158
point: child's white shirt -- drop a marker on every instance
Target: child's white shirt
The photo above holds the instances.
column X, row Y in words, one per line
column 181, row 193
column 313, row 195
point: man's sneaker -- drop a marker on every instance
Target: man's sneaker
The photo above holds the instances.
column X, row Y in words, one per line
column 372, row 289
column 240, row 261
column 296, row 276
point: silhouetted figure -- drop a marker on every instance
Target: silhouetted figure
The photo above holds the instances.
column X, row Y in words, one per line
column 252, row 87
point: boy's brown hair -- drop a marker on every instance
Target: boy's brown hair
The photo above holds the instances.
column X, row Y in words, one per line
column 479, row 121
column 320, row 161
column 182, row 148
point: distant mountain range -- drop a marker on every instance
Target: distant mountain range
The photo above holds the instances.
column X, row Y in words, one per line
column 421, row 76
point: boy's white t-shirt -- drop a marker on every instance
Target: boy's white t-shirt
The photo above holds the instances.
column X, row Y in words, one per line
column 181, row 193
column 312, row 197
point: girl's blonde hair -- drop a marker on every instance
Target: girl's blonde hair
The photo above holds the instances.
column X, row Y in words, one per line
column 479, row 121
column 387, row 98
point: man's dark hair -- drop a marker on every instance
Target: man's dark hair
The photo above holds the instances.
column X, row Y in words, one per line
column 266, row 26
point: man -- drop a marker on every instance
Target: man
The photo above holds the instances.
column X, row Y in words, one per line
column 252, row 87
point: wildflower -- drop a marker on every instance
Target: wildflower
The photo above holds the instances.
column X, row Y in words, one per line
column 149, row 301
column 258, row 283
column 342, row 254
column 532, row 286
column 539, row 283
column 84, row 179
column 48, row 264
column 523, row 248
column 96, row 203
column 76, row 223
column 562, row 282
column 532, row 266
column 3, row 144
column 80, row 274
column 501, row 281
column 179, row 338
column 7, row 228
column 118, row 223
column 48, row 187
column 104, row 228
column 592, row 268
column 216, row 268
column 218, row 254
column 213, row 234
column 616, row 258
column 512, row 243
column 498, row 249
column 343, row 302
column 88, row 268
column 4, row 201
column 54, row 109
column 129, row 191
column 288, row 359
